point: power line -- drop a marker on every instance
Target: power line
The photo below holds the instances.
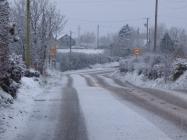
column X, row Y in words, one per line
column 107, row 21
column 94, row 2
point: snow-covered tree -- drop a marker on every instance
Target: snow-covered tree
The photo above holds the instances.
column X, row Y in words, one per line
column 125, row 35
column 127, row 39
column 88, row 39
column 47, row 24
column 160, row 33
column 167, row 44
column 179, row 38
column 106, row 41
column 4, row 37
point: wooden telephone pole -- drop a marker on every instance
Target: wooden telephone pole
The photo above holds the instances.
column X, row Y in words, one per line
column 156, row 20
column 70, row 50
column 147, row 27
column 98, row 30
column 28, row 36
column 70, row 42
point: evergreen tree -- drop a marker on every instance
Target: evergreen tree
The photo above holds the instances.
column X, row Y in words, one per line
column 125, row 33
column 167, row 44
column 124, row 41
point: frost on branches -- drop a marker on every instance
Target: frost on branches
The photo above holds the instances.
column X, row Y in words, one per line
column 4, row 38
column 10, row 67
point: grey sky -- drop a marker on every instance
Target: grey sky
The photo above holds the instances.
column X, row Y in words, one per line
column 112, row 14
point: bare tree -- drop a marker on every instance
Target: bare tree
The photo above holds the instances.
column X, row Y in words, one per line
column 161, row 30
column 88, row 39
column 46, row 25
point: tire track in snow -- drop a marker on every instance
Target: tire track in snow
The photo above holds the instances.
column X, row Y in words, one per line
column 89, row 82
column 72, row 125
column 173, row 113
column 170, row 98
column 108, row 119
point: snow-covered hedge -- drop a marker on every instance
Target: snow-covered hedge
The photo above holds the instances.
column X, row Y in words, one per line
column 10, row 82
column 155, row 71
column 153, row 67
column 81, row 60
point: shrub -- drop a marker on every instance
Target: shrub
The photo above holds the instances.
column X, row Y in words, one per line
column 81, row 60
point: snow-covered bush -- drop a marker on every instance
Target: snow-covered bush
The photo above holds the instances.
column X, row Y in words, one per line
column 5, row 98
column 151, row 66
column 180, row 67
column 31, row 73
column 10, row 82
column 17, row 67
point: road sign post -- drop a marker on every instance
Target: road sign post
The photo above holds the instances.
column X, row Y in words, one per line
column 53, row 53
column 136, row 52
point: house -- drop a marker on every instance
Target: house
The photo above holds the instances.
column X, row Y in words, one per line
column 64, row 41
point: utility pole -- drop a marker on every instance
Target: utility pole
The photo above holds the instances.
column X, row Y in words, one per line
column 98, row 30
column 149, row 37
column 156, row 20
column 147, row 27
column 79, row 32
column 70, row 49
column 27, row 36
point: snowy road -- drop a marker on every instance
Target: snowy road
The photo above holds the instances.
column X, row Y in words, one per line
column 89, row 105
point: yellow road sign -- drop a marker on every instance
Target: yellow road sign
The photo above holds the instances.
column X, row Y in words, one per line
column 136, row 51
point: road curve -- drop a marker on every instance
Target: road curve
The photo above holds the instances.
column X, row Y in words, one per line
column 93, row 106
column 164, row 106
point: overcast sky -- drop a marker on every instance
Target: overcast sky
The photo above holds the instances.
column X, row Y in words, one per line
column 112, row 14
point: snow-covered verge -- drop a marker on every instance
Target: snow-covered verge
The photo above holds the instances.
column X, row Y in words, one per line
column 5, row 98
column 13, row 115
column 154, row 72
column 141, row 81
column 11, row 81
column 33, row 99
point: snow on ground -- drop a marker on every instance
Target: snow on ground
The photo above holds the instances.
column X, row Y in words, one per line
column 16, row 117
column 5, row 98
column 95, row 68
column 140, row 80
column 108, row 119
column 15, row 114
column 86, row 51
column 110, row 82
column 134, row 67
